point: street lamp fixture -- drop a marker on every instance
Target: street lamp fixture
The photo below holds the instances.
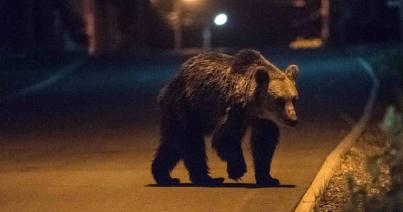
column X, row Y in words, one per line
column 220, row 19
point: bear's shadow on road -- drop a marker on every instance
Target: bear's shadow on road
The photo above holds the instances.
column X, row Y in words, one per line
column 224, row 185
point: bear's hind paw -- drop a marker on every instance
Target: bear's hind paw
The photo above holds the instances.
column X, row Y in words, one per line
column 209, row 182
column 169, row 182
column 268, row 182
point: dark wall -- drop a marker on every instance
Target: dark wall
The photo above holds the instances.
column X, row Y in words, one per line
column 372, row 21
column 260, row 23
column 30, row 24
column 251, row 23
column 13, row 24
column 27, row 25
column 364, row 21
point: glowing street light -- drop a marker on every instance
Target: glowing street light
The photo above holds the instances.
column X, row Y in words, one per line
column 220, row 19
column 299, row 3
column 190, row 1
column 175, row 16
column 178, row 10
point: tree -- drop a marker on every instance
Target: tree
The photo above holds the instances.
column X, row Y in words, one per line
column 113, row 26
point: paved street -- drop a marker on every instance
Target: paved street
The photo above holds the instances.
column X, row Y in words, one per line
column 85, row 142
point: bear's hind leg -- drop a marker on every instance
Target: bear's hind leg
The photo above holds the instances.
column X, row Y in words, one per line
column 264, row 139
column 166, row 157
column 195, row 159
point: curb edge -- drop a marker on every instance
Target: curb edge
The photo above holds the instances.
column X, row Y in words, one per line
column 321, row 180
column 58, row 75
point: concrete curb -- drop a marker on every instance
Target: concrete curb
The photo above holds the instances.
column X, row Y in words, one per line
column 321, row 180
column 63, row 72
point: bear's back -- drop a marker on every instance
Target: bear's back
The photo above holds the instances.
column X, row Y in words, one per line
column 209, row 79
column 203, row 86
column 205, row 64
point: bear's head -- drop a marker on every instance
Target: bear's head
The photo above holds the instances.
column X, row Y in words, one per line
column 276, row 94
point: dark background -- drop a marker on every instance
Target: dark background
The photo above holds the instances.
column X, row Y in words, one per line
column 124, row 25
column 79, row 132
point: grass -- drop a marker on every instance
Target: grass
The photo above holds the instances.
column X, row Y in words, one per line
column 370, row 177
column 349, row 184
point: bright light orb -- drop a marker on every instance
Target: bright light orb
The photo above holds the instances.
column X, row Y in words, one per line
column 190, row 1
column 220, row 19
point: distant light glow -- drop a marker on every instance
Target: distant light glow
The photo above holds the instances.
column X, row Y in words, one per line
column 299, row 3
column 220, row 19
column 306, row 43
column 190, row 1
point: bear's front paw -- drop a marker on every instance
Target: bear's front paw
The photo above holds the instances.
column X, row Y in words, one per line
column 267, row 181
column 236, row 171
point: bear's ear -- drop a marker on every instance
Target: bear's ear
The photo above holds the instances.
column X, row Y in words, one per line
column 261, row 75
column 292, row 71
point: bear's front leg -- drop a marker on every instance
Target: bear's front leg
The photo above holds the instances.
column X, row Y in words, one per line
column 264, row 139
column 227, row 142
column 236, row 166
column 194, row 155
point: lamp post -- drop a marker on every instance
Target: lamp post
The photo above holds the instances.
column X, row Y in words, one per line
column 178, row 25
column 178, row 12
column 219, row 20
column 206, row 37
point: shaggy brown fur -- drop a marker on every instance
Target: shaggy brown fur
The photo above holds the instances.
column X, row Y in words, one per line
column 224, row 95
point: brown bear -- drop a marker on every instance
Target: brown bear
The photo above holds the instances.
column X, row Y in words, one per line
column 224, row 95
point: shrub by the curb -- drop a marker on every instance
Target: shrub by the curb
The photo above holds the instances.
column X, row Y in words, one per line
column 389, row 198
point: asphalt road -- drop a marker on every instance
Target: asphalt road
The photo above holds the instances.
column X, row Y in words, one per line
column 85, row 142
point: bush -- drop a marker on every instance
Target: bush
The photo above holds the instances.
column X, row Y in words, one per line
column 389, row 195
column 390, row 63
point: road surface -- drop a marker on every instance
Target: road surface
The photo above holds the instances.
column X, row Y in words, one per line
column 85, row 142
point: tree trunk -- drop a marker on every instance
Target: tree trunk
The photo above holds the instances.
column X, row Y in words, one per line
column 325, row 31
column 89, row 19
column 141, row 24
